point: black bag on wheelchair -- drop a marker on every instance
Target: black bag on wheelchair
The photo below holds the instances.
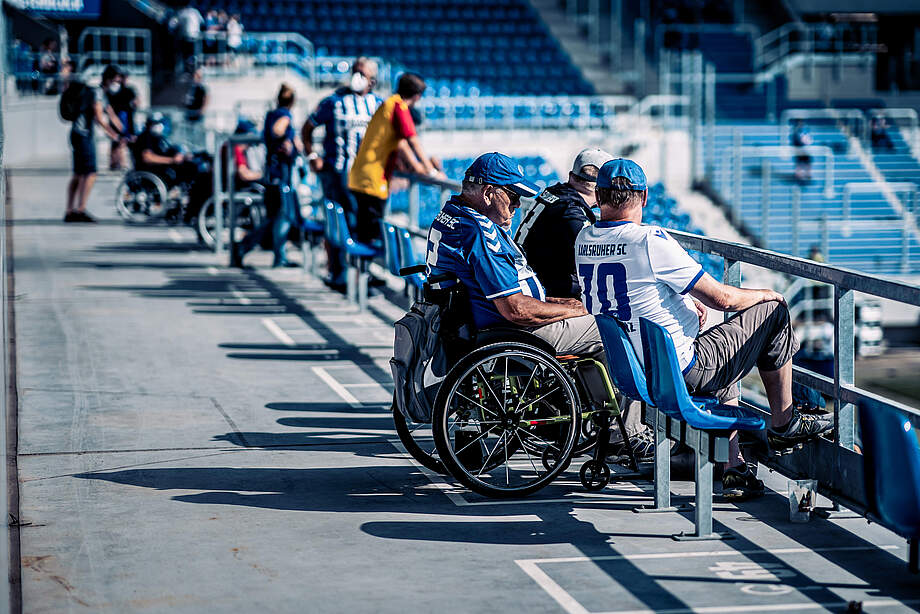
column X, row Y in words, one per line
column 419, row 362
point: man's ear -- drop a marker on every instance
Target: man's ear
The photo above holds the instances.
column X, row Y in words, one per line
column 645, row 197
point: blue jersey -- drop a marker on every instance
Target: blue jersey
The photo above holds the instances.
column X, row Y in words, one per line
column 278, row 163
column 483, row 256
column 345, row 116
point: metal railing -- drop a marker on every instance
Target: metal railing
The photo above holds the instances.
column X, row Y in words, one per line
column 846, row 116
column 797, row 37
column 256, row 50
column 836, row 465
column 523, row 112
column 128, row 47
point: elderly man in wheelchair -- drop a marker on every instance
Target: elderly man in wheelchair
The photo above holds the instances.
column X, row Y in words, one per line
column 511, row 413
column 166, row 182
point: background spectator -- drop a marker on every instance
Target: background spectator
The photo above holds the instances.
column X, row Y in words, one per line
column 801, row 137
column 878, row 133
column 390, row 129
column 48, row 66
column 344, row 115
column 190, row 24
column 123, row 101
column 91, row 103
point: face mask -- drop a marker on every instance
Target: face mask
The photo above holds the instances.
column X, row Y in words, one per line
column 358, row 83
column 156, row 129
column 114, row 88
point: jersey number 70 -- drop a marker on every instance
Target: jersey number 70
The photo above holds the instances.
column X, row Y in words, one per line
column 601, row 273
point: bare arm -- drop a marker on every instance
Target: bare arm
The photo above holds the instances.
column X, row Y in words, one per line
column 416, row 145
column 729, row 298
column 248, row 174
column 151, row 158
column 99, row 114
column 407, row 155
column 528, row 311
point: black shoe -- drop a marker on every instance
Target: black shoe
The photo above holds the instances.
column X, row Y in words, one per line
column 340, row 288
column 738, row 485
column 643, row 445
column 83, row 216
column 376, row 282
column 70, row 216
column 800, row 429
column 236, row 257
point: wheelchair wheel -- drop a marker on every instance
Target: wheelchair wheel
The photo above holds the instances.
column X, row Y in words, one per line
column 416, row 437
column 141, row 197
column 249, row 216
column 496, row 413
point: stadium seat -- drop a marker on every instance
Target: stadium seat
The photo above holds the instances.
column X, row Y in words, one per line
column 668, row 390
column 892, row 472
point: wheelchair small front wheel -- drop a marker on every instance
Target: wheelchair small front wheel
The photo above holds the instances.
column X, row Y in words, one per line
column 416, row 438
column 594, row 475
column 496, row 413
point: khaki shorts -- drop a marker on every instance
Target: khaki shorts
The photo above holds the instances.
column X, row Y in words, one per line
column 760, row 336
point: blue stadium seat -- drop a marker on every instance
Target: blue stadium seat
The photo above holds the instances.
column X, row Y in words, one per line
column 669, row 393
column 390, row 247
column 892, row 464
column 408, row 258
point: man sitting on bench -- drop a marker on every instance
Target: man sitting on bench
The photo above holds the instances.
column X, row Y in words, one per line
column 470, row 238
column 632, row 270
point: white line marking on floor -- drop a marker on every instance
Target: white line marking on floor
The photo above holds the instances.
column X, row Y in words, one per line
column 174, row 235
column 337, row 387
column 455, row 497
column 243, row 299
column 572, row 606
column 274, row 329
column 212, row 270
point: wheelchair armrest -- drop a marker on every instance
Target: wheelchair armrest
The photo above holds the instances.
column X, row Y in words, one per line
column 495, row 334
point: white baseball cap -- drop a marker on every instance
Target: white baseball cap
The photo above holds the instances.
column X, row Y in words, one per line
column 590, row 157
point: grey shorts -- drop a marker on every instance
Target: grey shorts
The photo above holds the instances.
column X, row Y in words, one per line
column 760, row 336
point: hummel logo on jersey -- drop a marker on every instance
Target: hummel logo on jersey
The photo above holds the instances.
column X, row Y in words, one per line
column 491, row 235
column 494, row 246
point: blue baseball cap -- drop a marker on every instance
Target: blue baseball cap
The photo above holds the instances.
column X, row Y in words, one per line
column 498, row 169
column 627, row 169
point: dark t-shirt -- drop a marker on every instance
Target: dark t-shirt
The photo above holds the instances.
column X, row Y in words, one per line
column 194, row 100
column 154, row 143
column 547, row 235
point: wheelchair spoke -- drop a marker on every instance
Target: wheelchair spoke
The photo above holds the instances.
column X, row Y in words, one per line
column 489, row 386
column 474, row 402
column 524, row 392
column 480, row 436
column 541, row 397
column 507, row 469
column 489, row 457
column 527, row 453
column 505, row 386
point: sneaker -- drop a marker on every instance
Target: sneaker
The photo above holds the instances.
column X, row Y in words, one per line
column 643, row 445
column 800, row 429
column 738, row 485
column 83, row 216
column 70, row 216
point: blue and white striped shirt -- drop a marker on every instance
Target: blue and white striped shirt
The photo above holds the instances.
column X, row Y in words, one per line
column 345, row 115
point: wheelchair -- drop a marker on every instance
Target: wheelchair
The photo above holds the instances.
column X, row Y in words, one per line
column 149, row 195
column 510, row 415
column 250, row 213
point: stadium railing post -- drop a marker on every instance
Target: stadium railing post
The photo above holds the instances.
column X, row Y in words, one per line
column 844, row 351
column 765, row 171
column 796, row 217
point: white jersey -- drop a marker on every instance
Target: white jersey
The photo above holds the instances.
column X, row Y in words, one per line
column 630, row 271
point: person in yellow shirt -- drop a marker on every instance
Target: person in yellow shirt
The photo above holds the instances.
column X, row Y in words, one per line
column 390, row 135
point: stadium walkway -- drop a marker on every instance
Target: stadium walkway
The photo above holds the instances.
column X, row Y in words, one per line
column 193, row 439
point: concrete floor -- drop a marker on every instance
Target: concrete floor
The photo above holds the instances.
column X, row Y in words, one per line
column 197, row 439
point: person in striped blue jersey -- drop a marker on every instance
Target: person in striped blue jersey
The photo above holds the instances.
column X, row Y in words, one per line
column 345, row 115
column 470, row 238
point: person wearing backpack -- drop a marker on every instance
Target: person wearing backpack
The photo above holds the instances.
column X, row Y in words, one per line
column 83, row 106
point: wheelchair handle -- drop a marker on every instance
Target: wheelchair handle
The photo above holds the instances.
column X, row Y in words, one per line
column 412, row 270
